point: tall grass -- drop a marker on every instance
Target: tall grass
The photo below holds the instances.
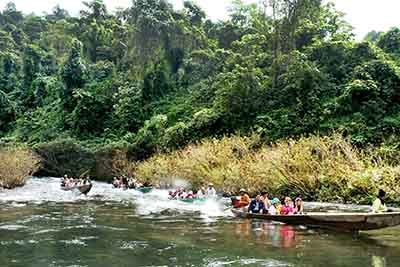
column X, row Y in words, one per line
column 16, row 164
column 317, row 168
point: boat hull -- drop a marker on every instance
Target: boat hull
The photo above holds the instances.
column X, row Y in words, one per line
column 84, row 189
column 351, row 222
column 144, row 190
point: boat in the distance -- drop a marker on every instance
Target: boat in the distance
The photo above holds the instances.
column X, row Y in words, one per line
column 84, row 189
column 144, row 189
column 350, row 222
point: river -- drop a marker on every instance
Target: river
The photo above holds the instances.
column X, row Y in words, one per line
column 40, row 225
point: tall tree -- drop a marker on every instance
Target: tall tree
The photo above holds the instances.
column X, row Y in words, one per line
column 73, row 74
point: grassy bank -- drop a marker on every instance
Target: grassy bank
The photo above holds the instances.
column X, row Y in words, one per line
column 16, row 164
column 318, row 168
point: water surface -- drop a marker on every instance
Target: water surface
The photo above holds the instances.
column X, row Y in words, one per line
column 40, row 225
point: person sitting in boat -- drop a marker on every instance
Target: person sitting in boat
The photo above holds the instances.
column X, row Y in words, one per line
column 183, row 193
column 276, row 207
column 189, row 195
column 115, row 182
column 265, row 199
column 172, row 194
column 64, row 180
column 87, row 180
column 244, row 200
column 124, row 181
column 298, row 206
column 211, row 192
column 146, row 184
column 68, row 182
column 176, row 193
column 257, row 205
column 379, row 205
column 131, row 183
column 288, row 207
column 201, row 192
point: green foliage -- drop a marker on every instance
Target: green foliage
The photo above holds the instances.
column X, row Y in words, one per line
column 206, row 122
column 238, row 96
column 128, row 114
column 46, row 90
column 104, row 78
column 390, row 42
column 73, row 74
column 7, row 112
column 148, row 139
column 156, row 83
column 41, row 125
column 175, row 136
column 10, row 67
column 64, row 156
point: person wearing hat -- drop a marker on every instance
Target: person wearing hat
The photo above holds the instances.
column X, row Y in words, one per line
column 211, row 192
column 244, row 199
column 276, row 207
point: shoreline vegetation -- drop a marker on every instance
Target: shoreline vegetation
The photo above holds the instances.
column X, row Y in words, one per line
column 317, row 168
column 16, row 164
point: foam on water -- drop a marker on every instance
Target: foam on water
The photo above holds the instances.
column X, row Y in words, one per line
column 40, row 190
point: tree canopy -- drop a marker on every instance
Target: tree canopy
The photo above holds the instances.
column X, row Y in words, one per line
column 153, row 77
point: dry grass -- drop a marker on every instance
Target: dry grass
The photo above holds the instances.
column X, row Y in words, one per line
column 318, row 168
column 16, row 164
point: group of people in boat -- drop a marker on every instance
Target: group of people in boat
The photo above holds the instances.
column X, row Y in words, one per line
column 203, row 192
column 128, row 183
column 263, row 204
column 69, row 182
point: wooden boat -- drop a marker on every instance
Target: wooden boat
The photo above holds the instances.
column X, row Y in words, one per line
column 351, row 222
column 84, row 189
column 144, row 190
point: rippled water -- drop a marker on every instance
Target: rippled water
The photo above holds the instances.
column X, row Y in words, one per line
column 40, row 225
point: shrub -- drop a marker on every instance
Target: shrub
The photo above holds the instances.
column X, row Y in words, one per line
column 147, row 140
column 317, row 168
column 16, row 164
column 64, row 156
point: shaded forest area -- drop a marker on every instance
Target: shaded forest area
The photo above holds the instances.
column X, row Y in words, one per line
column 150, row 78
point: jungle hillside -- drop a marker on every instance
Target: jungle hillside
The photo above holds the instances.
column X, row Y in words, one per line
column 89, row 92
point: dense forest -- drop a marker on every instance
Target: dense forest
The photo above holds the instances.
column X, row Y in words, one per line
column 151, row 78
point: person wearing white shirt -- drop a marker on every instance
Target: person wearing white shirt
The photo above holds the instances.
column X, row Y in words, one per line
column 211, row 192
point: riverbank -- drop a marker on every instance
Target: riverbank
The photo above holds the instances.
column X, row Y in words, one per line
column 327, row 169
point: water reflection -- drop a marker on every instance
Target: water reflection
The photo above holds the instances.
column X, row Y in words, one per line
column 278, row 235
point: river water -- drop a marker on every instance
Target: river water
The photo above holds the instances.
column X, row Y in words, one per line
column 40, row 225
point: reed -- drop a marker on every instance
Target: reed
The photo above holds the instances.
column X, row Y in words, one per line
column 16, row 164
column 317, row 168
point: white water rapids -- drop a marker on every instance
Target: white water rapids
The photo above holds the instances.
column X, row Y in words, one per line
column 40, row 190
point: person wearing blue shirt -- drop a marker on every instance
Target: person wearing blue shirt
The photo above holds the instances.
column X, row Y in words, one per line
column 257, row 205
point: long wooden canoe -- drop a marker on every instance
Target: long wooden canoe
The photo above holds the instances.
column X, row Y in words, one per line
column 351, row 222
column 84, row 189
